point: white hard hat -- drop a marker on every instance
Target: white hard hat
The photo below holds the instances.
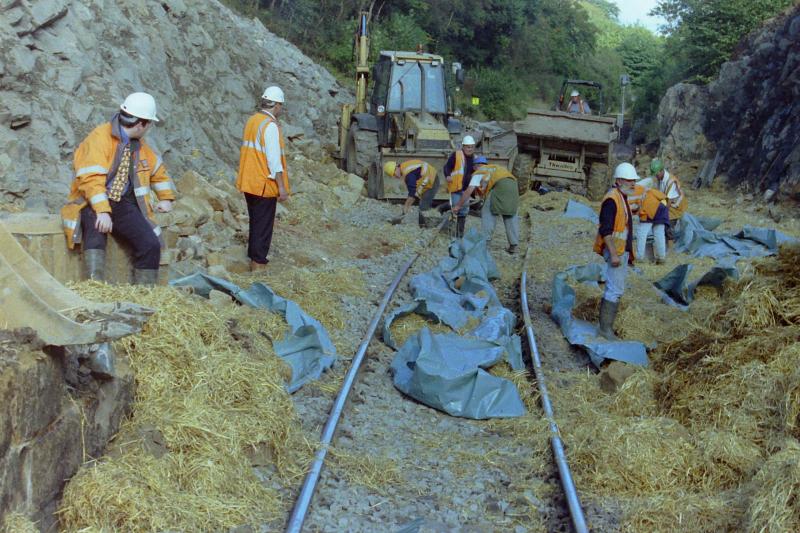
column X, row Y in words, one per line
column 468, row 140
column 574, row 93
column 273, row 94
column 140, row 105
column 625, row 171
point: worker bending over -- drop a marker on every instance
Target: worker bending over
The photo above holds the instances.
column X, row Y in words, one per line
column 115, row 174
column 421, row 181
column 671, row 187
column 458, row 172
column 500, row 193
column 614, row 242
column 651, row 206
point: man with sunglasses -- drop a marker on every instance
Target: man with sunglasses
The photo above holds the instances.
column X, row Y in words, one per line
column 116, row 174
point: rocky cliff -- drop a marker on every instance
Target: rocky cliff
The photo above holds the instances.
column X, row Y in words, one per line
column 746, row 119
column 65, row 66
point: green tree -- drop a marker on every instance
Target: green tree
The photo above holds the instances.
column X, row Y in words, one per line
column 702, row 34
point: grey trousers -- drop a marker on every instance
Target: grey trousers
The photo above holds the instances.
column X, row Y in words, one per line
column 489, row 221
column 615, row 277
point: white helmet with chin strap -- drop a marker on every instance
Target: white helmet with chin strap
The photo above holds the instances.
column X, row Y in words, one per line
column 140, row 105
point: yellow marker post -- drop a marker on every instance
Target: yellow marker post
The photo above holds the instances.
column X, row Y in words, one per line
column 476, row 100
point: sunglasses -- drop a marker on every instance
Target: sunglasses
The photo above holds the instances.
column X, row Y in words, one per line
column 144, row 122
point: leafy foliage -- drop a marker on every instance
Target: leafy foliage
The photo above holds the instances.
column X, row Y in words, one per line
column 704, row 33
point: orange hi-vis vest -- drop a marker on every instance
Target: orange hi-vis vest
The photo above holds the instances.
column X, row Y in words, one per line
column 677, row 206
column 645, row 201
column 98, row 157
column 490, row 175
column 427, row 175
column 254, row 175
column 622, row 222
column 457, row 175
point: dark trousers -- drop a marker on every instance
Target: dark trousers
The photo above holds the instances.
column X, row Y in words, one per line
column 131, row 225
column 262, row 221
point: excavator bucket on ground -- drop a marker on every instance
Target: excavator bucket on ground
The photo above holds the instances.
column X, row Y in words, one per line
column 31, row 297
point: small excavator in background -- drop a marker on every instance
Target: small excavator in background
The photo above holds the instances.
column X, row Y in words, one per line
column 409, row 115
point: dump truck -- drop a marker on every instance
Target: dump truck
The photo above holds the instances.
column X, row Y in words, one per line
column 409, row 115
column 568, row 150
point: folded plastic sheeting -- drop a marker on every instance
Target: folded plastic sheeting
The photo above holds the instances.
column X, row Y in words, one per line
column 582, row 333
column 578, row 210
column 697, row 238
column 447, row 372
column 307, row 348
column 677, row 287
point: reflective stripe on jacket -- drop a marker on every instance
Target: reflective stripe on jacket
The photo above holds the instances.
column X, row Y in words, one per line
column 96, row 158
column 645, row 201
column 457, row 174
column 622, row 223
column 677, row 206
column 490, row 175
column 254, row 176
column 427, row 175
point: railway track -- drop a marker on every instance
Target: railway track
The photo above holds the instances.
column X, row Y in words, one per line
column 303, row 502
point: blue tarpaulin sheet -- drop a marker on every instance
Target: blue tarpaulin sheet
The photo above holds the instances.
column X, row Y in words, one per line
column 447, row 372
column 582, row 333
column 307, row 347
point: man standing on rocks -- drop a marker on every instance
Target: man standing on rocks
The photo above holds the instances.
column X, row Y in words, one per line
column 263, row 175
column 422, row 181
column 500, row 193
column 458, row 172
column 115, row 172
column 671, row 187
column 614, row 242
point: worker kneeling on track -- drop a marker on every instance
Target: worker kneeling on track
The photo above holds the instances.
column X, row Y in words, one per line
column 651, row 206
column 500, row 193
column 422, row 182
column 614, row 242
column 115, row 172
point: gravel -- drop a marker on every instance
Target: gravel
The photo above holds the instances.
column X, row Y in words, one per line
column 454, row 474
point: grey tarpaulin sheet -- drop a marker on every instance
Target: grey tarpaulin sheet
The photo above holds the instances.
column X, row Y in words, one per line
column 578, row 210
column 582, row 333
column 697, row 239
column 676, row 284
column 446, row 372
column 307, row 348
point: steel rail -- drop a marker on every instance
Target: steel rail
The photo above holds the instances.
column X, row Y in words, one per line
column 303, row 503
column 573, row 502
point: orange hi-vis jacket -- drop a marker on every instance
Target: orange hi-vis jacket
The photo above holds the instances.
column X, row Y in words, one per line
column 254, row 175
column 427, row 175
column 98, row 157
column 490, row 175
column 621, row 225
column 457, row 175
column 645, row 201
column 677, row 206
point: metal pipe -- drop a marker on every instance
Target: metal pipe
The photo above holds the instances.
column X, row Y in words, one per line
column 300, row 510
column 574, row 504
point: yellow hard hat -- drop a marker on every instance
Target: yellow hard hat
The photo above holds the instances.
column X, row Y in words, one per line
column 389, row 167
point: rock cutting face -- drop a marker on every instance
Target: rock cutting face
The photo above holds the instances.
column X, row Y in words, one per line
column 66, row 66
column 748, row 115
